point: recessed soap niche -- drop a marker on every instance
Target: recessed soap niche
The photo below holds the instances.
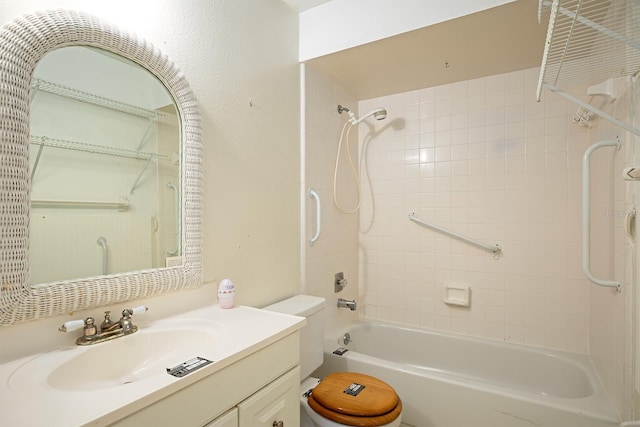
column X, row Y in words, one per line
column 457, row 295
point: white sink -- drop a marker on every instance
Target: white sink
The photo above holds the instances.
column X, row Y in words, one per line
column 128, row 359
column 125, row 360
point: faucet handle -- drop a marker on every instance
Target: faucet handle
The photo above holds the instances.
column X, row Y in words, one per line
column 128, row 312
column 340, row 282
column 90, row 330
column 139, row 309
column 125, row 322
column 72, row 325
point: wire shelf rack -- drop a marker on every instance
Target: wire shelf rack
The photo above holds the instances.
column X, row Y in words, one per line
column 93, row 148
column 589, row 41
column 90, row 98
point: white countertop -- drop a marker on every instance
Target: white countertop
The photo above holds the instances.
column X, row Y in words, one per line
column 29, row 400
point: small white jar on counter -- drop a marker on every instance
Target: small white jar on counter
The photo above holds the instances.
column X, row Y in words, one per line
column 226, row 294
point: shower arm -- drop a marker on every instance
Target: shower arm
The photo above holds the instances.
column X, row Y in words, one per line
column 352, row 117
column 378, row 113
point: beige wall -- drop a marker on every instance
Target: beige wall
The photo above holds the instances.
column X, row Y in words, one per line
column 337, row 248
column 249, row 95
column 240, row 58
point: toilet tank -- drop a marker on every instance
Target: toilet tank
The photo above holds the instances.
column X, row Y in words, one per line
column 312, row 334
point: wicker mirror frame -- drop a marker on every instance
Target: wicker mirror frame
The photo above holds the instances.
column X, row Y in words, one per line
column 23, row 42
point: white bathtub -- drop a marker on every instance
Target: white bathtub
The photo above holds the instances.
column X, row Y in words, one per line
column 447, row 380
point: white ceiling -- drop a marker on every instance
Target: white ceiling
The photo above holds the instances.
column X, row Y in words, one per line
column 498, row 40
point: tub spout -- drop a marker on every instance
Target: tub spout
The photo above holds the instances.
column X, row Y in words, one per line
column 347, row 303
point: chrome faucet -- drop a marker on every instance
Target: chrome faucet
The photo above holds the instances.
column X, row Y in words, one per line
column 108, row 328
column 347, row 303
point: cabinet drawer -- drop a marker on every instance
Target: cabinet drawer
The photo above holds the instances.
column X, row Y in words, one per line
column 277, row 402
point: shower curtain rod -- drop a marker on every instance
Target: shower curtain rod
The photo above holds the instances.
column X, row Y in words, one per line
column 491, row 248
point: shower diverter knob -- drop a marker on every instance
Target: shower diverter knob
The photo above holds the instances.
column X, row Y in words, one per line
column 340, row 282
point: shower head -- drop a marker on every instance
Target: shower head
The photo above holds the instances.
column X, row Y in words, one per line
column 378, row 114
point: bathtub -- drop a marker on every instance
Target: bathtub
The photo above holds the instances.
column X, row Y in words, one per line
column 447, row 380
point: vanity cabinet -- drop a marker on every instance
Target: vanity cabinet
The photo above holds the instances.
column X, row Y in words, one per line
column 256, row 390
column 276, row 403
column 230, row 419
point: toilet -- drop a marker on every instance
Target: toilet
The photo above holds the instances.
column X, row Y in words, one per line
column 341, row 398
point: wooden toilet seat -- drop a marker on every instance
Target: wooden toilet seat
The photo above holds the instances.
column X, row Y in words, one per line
column 355, row 399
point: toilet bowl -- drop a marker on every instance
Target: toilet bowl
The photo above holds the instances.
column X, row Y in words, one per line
column 341, row 398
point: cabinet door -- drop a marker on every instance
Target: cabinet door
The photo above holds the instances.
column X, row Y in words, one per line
column 229, row 419
column 277, row 402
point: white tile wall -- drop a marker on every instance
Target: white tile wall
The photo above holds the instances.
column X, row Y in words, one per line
column 612, row 257
column 483, row 158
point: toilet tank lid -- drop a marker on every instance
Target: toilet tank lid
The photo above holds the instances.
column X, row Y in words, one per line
column 299, row 305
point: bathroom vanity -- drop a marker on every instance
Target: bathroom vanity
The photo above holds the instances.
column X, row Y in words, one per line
column 247, row 359
column 253, row 379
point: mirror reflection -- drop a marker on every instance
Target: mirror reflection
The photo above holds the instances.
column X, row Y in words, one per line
column 105, row 173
